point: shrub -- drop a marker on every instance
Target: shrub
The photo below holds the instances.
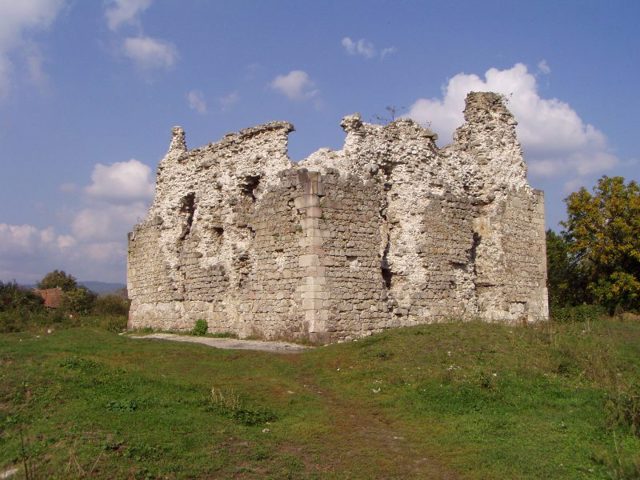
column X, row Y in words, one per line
column 10, row 322
column 200, row 328
column 14, row 297
column 578, row 313
column 78, row 301
column 111, row 305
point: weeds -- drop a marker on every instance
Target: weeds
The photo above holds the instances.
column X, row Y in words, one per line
column 76, row 363
column 620, row 465
column 230, row 405
column 623, row 409
column 578, row 313
column 223, row 335
column 25, row 457
column 200, row 328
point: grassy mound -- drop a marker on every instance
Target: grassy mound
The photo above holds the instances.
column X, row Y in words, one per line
column 437, row 401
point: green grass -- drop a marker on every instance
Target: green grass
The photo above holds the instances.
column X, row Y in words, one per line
column 450, row 400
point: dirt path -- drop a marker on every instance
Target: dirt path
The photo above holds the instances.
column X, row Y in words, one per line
column 361, row 434
column 227, row 343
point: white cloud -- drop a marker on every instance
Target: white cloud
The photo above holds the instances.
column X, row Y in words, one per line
column 17, row 20
column 18, row 16
column 555, row 139
column 387, row 51
column 543, row 67
column 227, row 101
column 196, row 101
column 116, row 200
column 65, row 241
column 17, row 238
column 296, row 85
column 25, row 250
column 121, row 182
column 361, row 47
column 125, row 12
column 95, row 246
column 147, row 53
column 107, row 222
column 150, row 53
column 27, row 253
column 106, row 252
column 365, row 48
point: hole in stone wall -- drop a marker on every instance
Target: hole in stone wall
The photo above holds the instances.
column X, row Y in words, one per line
column 385, row 271
column 387, row 275
column 249, row 185
column 187, row 208
column 219, row 231
column 242, row 266
column 474, row 250
column 387, row 168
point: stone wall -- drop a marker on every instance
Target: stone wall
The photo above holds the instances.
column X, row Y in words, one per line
column 389, row 231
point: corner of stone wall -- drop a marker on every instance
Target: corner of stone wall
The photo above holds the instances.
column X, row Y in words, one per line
column 314, row 291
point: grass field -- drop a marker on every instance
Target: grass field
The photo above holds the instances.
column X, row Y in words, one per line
column 455, row 400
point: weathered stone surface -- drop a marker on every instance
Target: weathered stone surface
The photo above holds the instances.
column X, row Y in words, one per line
column 389, row 231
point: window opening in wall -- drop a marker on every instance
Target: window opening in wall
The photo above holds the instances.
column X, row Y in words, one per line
column 249, row 186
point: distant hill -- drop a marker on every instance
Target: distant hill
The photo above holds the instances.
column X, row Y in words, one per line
column 102, row 288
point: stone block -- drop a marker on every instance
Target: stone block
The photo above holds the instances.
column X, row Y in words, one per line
column 307, row 201
column 314, row 212
column 309, row 260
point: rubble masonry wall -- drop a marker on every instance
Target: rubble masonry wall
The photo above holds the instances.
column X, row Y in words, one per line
column 389, row 231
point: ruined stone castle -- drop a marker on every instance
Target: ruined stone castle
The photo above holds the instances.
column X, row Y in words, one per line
column 389, row 231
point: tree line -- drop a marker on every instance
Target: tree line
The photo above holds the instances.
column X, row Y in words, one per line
column 595, row 259
column 22, row 308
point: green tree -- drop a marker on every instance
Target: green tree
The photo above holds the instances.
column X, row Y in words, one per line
column 15, row 298
column 75, row 299
column 565, row 280
column 79, row 301
column 58, row 278
column 603, row 233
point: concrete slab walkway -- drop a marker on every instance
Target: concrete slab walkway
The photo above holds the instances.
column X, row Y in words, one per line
column 228, row 343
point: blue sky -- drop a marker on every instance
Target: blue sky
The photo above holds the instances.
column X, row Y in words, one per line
column 89, row 91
